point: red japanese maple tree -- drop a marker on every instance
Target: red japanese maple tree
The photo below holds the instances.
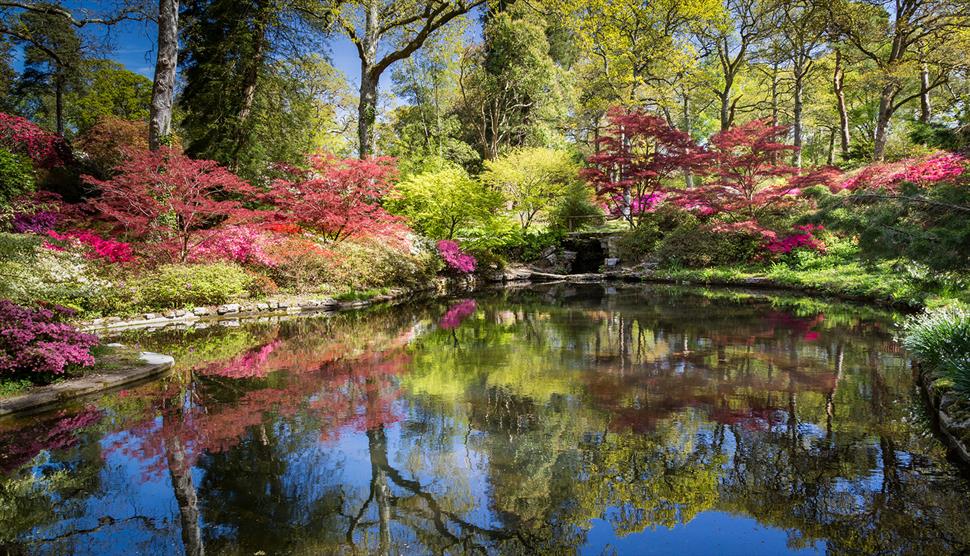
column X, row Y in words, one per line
column 20, row 135
column 164, row 195
column 337, row 198
column 746, row 180
column 639, row 152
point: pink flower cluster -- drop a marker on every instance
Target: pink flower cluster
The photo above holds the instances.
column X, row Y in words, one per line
column 456, row 259
column 241, row 244
column 97, row 246
column 35, row 341
column 457, row 313
column 34, row 223
column 804, row 237
column 921, row 171
column 22, row 136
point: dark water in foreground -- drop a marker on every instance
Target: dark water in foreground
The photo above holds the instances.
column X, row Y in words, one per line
column 553, row 420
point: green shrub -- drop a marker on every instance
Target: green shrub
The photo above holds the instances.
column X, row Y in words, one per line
column 699, row 246
column 575, row 210
column 181, row 285
column 940, row 339
column 16, row 176
column 34, row 273
column 368, row 265
column 636, row 244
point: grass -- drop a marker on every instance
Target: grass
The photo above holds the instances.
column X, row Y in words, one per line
column 360, row 295
column 940, row 339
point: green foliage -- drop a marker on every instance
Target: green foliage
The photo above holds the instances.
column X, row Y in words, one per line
column 357, row 267
column 33, row 273
column 699, row 246
column 575, row 210
column 16, row 176
column 444, row 203
column 107, row 89
column 636, row 244
column 533, row 179
column 924, row 225
column 182, row 285
column 941, row 340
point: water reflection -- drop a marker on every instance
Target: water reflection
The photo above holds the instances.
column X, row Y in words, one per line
column 550, row 420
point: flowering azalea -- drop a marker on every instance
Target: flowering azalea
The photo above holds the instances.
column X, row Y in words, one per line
column 455, row 258
column 20, row 135
column 36, row 341
column 98, row 247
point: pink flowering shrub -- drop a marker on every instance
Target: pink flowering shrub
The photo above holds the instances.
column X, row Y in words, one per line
column 20, row 135
column 456, row 259
column 457, row 313
column 639, row 205
column 923, row 172
column 96, row 246
column 241, row 244
column 35, row 341
column 804, row 237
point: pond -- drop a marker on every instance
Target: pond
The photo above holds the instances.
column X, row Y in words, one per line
column 555, row 419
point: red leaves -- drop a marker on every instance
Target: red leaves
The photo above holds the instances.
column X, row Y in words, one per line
column 20, row 135
column 339, row 198
column 167, row 195
column 639, row 152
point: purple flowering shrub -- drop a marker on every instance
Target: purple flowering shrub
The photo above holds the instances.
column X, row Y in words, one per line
column 456, row 259
column 34, row 223
column 36, row 341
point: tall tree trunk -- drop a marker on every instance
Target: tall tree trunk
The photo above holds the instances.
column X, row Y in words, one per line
column 725, row 98
column 185, row 495
column 831, row 156
column 369, row 80
column 163, row 89
column 59, row 104
column 886, row 99
column 925, row 109
column 838, row 86
column 798, row 92
column 250, row 80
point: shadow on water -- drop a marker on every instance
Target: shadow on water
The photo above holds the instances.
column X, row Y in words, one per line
column 556, row 419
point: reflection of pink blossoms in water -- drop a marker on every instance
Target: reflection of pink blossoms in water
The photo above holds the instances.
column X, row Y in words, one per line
column 21, row 445
column 251, row 364
column 457, row 313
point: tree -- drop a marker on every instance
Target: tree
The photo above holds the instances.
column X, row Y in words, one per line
column 166, row 64
column 747, row 182
column 532, row 179
column 374, row 25
column 337, row 198
column 634, row 159
column 510, row 92
column 165, row 195
column 442, row 202
column 107, row 89
column 890, row 40
column 730, row 43
column 52, row 59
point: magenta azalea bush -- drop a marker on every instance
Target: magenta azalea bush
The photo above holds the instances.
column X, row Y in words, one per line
column 803, row 237
column 238, row 244
column 456, row 259
column 96, row 246
column 35, row 341
column 34, row 223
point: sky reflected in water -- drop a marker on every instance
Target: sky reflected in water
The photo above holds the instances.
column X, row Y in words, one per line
column 552, row 420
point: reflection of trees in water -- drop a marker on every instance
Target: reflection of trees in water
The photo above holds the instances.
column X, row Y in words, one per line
column 512, row 431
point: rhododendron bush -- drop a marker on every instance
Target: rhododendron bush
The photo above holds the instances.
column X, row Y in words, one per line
column 456, row 259
column 37, row 341
column 96, row 246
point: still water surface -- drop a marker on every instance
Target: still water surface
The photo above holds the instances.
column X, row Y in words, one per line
column 553, row 420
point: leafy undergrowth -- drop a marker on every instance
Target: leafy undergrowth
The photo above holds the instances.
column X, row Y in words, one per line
column 880, row 282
